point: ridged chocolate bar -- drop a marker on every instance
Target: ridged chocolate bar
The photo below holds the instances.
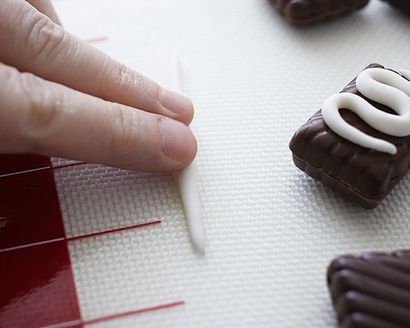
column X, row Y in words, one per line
column 304, row 12
column 403, row 5
column 372, row 290
column 363, row 175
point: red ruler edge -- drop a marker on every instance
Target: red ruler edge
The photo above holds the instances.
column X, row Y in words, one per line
column 36, row 278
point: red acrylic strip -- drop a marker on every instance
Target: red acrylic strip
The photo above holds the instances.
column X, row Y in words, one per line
column 29, row 209
column 96, row 39
column 134, row 312
column 36, row 279
column 137, row 226
column 37, row 287
column 81, row 323
column 61, row 166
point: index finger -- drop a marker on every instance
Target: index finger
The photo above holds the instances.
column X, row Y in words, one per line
column 40, row 46
column 42, row 117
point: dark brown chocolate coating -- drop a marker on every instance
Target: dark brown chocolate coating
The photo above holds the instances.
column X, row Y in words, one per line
column 363, row 175
column 403, row 5
column 372, row 290
column 303, row 12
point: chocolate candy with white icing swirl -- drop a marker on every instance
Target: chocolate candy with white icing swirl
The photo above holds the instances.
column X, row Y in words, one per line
column 304, row 12
column 355, row 169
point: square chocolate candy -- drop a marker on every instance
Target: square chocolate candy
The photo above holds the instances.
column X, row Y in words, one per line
column 304, row 12
column 372, row 290
column 361, row 174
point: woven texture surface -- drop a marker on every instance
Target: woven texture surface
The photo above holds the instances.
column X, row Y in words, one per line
column 271, row 229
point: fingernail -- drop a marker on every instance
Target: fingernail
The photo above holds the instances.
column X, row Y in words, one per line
column 176, row 102
column 177, row 139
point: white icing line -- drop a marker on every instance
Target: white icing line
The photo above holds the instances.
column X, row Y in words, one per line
column 188, row 185
column 384, row 87
column 333, row 119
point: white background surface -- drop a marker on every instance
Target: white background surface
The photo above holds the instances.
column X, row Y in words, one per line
column 271, row 229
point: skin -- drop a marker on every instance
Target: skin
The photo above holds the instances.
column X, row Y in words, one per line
column 61, row 97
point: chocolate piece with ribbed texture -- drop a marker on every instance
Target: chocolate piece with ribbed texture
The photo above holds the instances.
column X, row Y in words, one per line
column 363, row 175
column 304, row 12
column 371, row 291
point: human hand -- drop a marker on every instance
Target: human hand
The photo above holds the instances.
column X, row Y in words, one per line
column 61, row 97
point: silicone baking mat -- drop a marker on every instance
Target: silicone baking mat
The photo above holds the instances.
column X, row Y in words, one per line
column 87, row 245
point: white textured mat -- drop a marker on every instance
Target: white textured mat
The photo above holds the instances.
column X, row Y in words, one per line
column 271, row 229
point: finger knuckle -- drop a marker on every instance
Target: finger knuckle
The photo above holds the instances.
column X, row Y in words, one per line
column 123, row 137
column 41, row 104
column 125, row 80
column 7, row 76
column 45, row 37
column 9, row 112
column 29, row 104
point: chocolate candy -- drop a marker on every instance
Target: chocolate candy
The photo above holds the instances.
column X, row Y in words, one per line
column 403, row 5
column 361, row 174
column 303, row 12
column 372, row 290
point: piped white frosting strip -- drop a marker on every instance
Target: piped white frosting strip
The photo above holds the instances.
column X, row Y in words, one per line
column 380, row 85
column 188, row 185
column 187, row 180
